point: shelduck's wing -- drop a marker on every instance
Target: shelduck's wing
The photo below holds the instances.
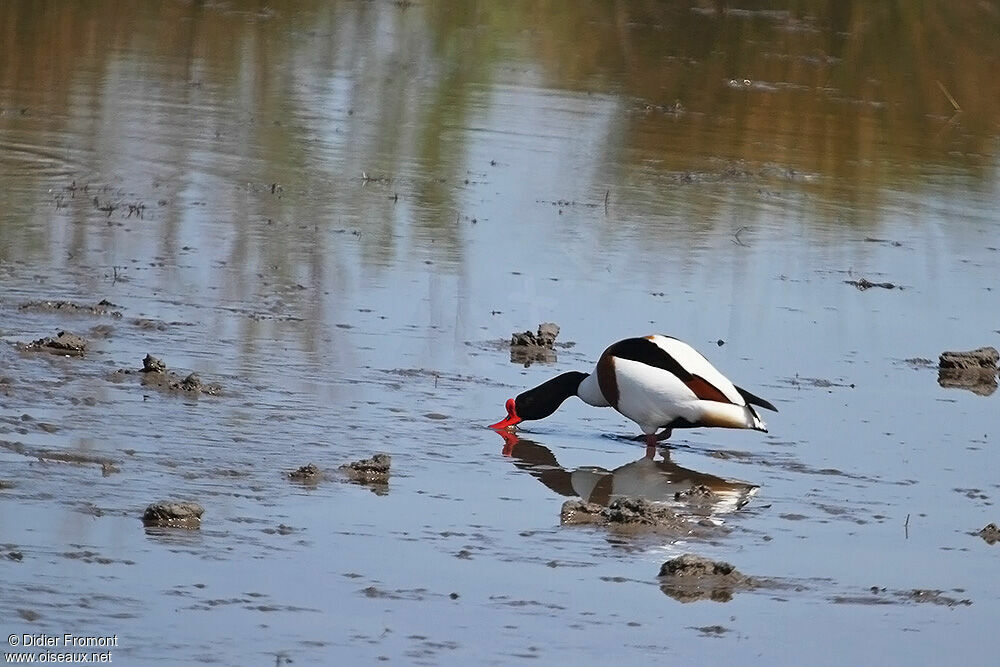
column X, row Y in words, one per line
column 702, row 370
column 682, row 360
column 706, row 381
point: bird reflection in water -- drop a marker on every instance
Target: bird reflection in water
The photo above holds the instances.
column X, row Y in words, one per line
column 657, row 480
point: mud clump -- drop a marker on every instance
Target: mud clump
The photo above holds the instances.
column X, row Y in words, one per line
column 527, row 347
column 64, row 343
column 102, row 307
column 373, row 472
column 688, row 578
column 689, row 565
column 546, row 336
column 983, row 357
column 192, row 383
column 975, row 370
column 629, row 513
column 307, row 474
column 155, row 374
column 991, row 533
column 173, row 515
column 151, row 364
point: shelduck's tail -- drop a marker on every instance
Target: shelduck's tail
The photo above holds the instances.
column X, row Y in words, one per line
column 756, row 400
column 727, row 415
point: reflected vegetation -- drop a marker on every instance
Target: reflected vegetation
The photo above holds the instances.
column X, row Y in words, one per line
column 658, row 480
column 842, row 98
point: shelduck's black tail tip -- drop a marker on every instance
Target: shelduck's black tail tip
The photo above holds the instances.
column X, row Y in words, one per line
column 756, row 400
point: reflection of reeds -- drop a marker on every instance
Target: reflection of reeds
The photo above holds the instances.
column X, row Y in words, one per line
column 849, row 91
column 834, row 85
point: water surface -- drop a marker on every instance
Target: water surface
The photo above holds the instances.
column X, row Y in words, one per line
column 339, row 211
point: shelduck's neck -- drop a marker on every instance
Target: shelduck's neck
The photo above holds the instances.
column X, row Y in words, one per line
column 546, row 398
column 590, row 392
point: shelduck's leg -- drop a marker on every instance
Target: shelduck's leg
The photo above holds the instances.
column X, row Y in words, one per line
column 665, row 434
column 650, row 445
column 652, row 439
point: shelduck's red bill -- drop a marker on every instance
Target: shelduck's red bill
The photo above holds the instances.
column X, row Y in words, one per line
column 511, row 418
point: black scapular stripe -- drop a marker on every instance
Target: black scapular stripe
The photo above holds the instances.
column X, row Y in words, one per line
column 647, row 352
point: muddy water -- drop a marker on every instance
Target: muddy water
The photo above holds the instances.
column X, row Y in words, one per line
column 337, row 213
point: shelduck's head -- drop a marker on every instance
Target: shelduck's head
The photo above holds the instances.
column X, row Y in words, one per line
column 542, row 401
column 512, row 417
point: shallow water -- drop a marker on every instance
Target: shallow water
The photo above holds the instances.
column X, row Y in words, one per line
column 340, row 213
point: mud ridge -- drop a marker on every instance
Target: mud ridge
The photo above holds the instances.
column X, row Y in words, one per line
column 64, row 343
column 883, row 596
column 102, row 307
column 108, row 465
column 865, row 284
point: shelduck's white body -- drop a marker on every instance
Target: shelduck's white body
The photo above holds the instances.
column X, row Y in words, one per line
column 655, row 397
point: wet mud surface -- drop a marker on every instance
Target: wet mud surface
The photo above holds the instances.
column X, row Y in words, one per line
column 297, row 295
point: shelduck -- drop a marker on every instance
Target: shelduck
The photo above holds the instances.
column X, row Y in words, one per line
column 657, row 381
